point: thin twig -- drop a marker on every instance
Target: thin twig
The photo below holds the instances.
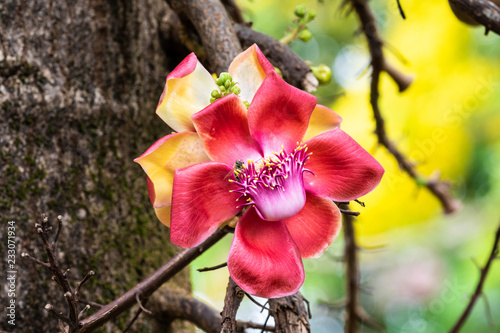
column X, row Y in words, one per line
column 401, row 11
column 263, row 307
column 478, row 291
column 441, row 190
column 349, row 212
column 81, row 283
column 132, row 321
column 92, row 304
column 58, row 275
column 49, row 308
column 35, row 260
column 141, row 304
column 56, row 237
column 213, row 268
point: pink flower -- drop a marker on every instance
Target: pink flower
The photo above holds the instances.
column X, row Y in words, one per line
column 295, row 165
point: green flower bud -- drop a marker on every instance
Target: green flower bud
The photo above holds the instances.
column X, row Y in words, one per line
column 300, row 11
column 227, row 84
column 323, row 73
column 222, row 89
column 212, row 100
column 215, row 94
column 236, row 90
column 305, row 35
column 223, row 77
column 311, row 14
column 246, row 104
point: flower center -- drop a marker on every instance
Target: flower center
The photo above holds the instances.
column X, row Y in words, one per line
column 274, row 185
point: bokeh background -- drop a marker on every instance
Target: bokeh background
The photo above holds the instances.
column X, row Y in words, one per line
column 418, row 268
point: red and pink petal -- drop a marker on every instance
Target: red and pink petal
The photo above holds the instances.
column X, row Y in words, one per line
column 263, row 259
column 249, row 69
column 201, row 202
column 186, row 92
column 279, row 115
column 173, row 151
column 315, row 227
column 343, row 170
column 223, row 129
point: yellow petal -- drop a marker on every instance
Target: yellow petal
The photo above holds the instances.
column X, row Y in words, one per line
column 185, row 95
column 163, row 215
column 322, row 119
column 160, row 161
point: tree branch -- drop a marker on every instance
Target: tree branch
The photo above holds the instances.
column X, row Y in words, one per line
column 478, row 291
column 352, row 273
column 290, row 314
column 441, row 190
column 151, row 283
column 233, row 10
column 214, row 27
column 484, row 12
column 234, row 296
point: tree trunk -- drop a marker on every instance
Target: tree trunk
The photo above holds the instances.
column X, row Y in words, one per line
column 79, row 83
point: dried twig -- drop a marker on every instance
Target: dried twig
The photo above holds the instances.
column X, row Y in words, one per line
column 59, row 276
column 478, row 291
column 213, row 268
column 151, row 283
column 441, row 190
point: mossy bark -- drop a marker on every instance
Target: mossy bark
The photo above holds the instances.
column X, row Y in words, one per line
column 79, row 83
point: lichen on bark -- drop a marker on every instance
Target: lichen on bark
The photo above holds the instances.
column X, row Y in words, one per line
column 79, row 83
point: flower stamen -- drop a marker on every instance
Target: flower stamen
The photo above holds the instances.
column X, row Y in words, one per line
column 258, row 181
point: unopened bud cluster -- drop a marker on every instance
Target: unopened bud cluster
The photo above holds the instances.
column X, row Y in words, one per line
column 300, row 30
column 226, row 87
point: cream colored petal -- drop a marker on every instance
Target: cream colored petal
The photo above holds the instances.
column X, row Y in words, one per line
column 249, row 69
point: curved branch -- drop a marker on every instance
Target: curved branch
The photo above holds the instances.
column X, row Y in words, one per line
column 478, row 291
column 215, row 29
column 441, row 190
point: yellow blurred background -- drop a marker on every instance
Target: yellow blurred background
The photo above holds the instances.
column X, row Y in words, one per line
column 447, row 122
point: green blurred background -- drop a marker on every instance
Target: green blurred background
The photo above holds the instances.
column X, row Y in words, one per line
column 448, row 121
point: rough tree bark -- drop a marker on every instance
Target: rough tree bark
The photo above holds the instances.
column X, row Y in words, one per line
column 79, row 83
